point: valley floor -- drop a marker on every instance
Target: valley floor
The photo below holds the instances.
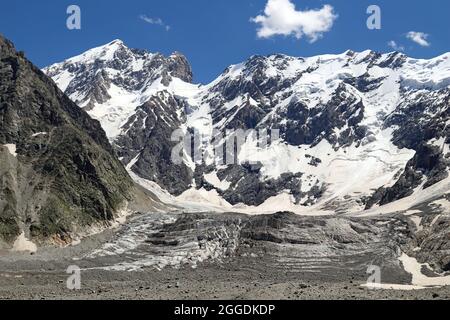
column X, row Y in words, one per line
column 279, row 273
column 203, row 283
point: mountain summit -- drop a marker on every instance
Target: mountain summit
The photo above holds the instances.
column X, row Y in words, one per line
column 112, row 80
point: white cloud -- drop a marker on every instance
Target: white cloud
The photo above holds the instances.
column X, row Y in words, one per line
column 419, row 37
column 282, row 18
column 156, row 21
column 396, row 46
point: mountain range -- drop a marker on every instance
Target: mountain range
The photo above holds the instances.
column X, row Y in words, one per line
column 356, row 131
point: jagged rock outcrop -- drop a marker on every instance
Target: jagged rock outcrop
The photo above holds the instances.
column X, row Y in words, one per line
column 147, row 145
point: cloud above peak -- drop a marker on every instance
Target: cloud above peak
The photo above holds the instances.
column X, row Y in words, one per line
column 420, row 38
column 155, row 21
column 395, row 46
column 282, row 18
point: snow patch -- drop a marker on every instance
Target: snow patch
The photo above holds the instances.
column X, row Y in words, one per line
column 22, row 244
column 417, row 221
column 203, row 196
column 443, row 204
column 387, row 286
column 11, row 149
column 216, row 182
column 37, row 134
column 418, row 278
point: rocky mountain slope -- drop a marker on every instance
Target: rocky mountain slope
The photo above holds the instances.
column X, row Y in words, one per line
column 335, row 133
column 59, row 175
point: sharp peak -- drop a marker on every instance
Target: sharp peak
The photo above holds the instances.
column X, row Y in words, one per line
column 121, row 44
column 99, row 51
column 114, row 43
column 4, row 41
column 177, row 54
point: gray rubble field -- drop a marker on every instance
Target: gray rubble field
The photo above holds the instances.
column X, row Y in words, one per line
column 223, row 256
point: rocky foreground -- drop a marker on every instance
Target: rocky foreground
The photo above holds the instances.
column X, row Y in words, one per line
column 227, row 256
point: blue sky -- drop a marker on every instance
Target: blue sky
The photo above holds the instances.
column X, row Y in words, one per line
column 216, row 33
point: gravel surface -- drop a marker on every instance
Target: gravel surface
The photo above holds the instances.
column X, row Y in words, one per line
column 43, row 276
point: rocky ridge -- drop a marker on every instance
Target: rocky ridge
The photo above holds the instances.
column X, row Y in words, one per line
column 59, row 175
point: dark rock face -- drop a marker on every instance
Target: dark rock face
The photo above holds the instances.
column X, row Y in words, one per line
column 179, row 67
column 432, row 239
column 394, row 61
column 65, row 175
column 247, row 117
column 149, row 137
column 435, row 246
column 248, row 187
column 365, row 83
column 310, row 126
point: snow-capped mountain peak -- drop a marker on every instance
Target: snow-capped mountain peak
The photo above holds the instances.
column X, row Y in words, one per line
column 110, row 81
column 105, row 52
